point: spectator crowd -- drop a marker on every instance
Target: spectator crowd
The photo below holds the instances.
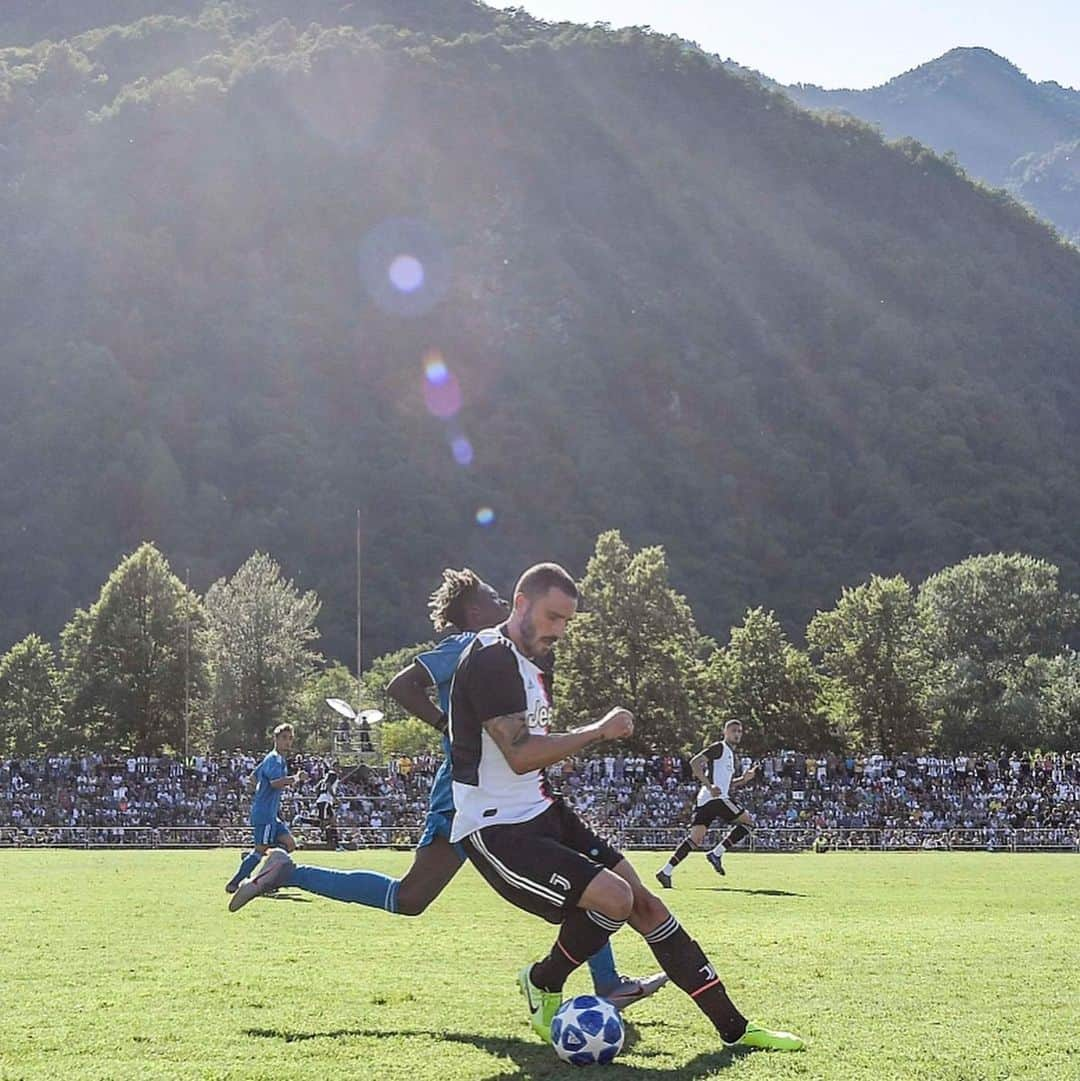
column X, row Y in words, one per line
column 916, row 794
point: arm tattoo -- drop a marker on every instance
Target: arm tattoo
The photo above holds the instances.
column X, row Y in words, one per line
column 509, row 730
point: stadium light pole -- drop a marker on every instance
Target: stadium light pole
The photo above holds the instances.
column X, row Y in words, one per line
column 359, row 619
column 187, row 663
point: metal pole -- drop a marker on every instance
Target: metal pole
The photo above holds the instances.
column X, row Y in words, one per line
column 359, row 622
column 187, row 662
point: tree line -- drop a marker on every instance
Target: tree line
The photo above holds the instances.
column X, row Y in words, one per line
column 976, row 657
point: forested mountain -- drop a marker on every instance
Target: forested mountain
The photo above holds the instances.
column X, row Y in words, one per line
column 263, row 271
column 1004, row 128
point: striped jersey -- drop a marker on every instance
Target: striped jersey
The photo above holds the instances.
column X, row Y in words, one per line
column 494, row 679
column 720, row 769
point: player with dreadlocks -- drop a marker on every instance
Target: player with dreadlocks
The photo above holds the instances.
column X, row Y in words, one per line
column 464, row 604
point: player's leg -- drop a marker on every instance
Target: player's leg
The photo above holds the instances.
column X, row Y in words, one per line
column 263, row 837
column 694, row 839
column 526, row 864
column 436, row 862
column 433, row 866
column 685, row 962
column 621, row 991
column 284, row 838
column 742, row 824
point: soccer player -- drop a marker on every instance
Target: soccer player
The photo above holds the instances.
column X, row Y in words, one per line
column 325, row 798
column 715, row 767
column 272, row 777
column 530, row 847
column 466, row 604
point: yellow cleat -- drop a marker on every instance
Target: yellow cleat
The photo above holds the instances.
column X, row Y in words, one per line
column 769, row 1040
column 542, row 1004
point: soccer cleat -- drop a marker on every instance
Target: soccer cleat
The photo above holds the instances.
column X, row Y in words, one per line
column 542, row 1005
column 275, row 872
column 717, row 863
column 232, row 887
column 769, row 1040
column 664, row 879
column 627, row 991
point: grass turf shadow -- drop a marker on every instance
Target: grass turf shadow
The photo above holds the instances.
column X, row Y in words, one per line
column 753, row 893
column 533, row 1061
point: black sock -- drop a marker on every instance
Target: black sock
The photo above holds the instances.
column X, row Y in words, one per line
column 682, row 852
column 736, row 835
column 685, row 962
column 581, row 935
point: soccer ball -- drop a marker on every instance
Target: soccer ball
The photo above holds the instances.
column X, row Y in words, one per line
column 587, row 1031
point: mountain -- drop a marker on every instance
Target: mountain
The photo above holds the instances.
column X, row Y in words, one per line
column 981, row 107
column 499, row 285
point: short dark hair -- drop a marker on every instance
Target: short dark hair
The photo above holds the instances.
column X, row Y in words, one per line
column 732, row 720
column 537, row 580
column 447, row 604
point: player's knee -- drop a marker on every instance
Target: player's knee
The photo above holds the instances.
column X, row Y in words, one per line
column 617, row 898
column 649, row 911
column 411, row 902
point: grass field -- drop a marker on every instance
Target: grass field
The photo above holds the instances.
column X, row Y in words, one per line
column 936, row 966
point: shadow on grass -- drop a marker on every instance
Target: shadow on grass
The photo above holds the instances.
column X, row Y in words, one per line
column 755, row 893
column 532, row 1060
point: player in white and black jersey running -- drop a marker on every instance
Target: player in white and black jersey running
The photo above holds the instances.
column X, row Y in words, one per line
column 528, row 845
column 717, row 768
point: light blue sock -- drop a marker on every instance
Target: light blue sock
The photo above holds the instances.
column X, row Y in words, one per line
column 360, row 887
column 602, row 966
column 247, row 865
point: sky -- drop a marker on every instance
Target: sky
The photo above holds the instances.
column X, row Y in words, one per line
column 848, row 43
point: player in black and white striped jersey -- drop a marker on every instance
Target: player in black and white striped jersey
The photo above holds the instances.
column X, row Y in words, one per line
column 528, row 845
column 717, row 768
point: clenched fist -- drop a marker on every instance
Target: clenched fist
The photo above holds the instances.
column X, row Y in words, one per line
column 617, row 723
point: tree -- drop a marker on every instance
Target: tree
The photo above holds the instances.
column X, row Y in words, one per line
column 314, row 719
column 1061, row 702
column 258, row 631
column 870, row 644
column 398, row 732
column 31, row 710
column 982, row 619
column 762, row 680
column 634, row 643
column 129, row 662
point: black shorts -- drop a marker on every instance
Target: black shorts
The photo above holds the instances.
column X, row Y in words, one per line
column 721, row 807
column 542, row 866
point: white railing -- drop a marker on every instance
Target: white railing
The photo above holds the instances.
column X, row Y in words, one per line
column 659, row 838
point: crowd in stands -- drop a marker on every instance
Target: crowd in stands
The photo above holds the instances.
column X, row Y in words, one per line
column 618, row 794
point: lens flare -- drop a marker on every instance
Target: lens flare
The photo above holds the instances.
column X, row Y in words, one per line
column 462, row 450
column 485, row 516
column 442, row 392
column 406, row 273
column 435, row 370
column 405, row 266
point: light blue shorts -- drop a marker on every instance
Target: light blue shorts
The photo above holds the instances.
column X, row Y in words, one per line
column 266, row 833
column 437, row 824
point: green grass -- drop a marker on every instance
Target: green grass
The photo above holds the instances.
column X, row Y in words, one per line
column 944, row 967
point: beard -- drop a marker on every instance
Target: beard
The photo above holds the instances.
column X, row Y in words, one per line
column 534, row 645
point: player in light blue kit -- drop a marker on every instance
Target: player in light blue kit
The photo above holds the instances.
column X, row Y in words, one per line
column 272, row 778
column 465, row 603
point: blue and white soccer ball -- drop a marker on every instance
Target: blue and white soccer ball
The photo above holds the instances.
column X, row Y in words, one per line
column 587, row 1031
